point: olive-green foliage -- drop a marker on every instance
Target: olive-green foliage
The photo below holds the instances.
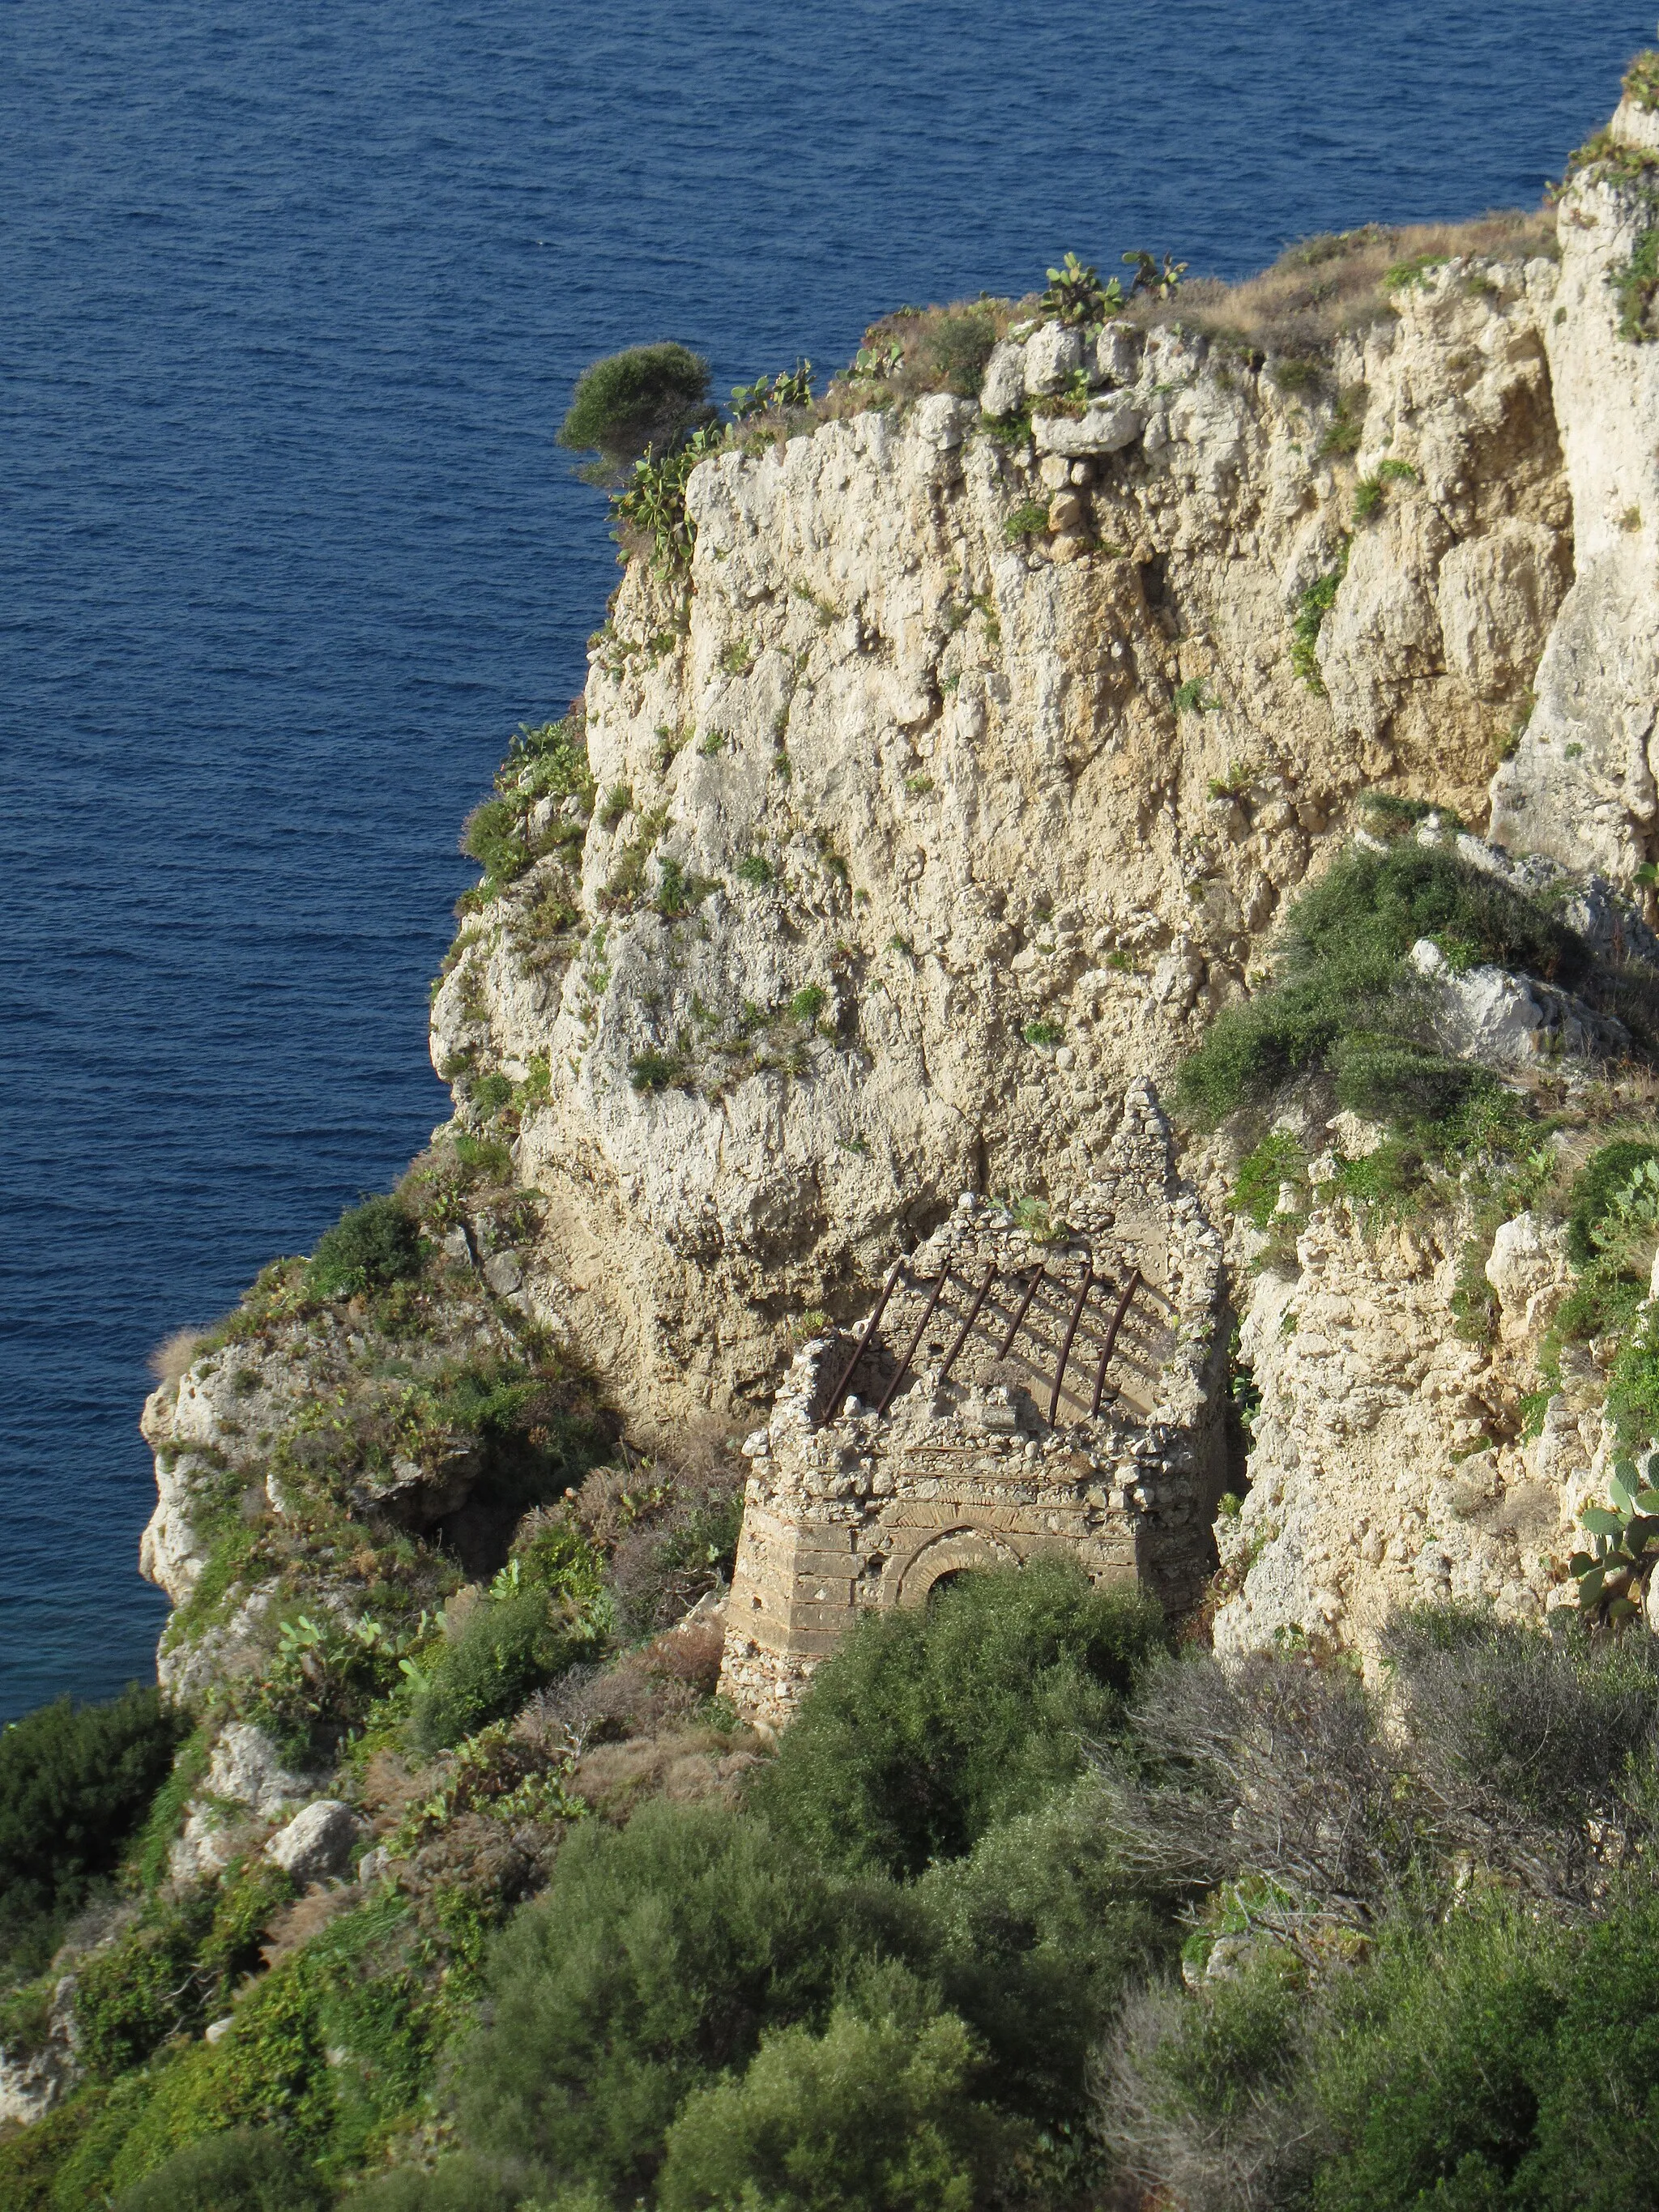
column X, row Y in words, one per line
column 1597, row 2134
column 1263, row 1172
column 330, row 2047
column 1344, row 996
column 1314, row 604
column 655, row 1958
column 455, row 2184
column 1034, row 1938
column 1635, row 286
column 645, row 395
column 245, row 2169
column 370, row 1246
column 1432, row 2080
column 1596, row 1186
column 928, row 1727
column 957, row 347
column 75, row 1784
column 876, row 2114
column 1633, row 1385
column 1222, row 2050
column 507, row 1647
column 131, row 1994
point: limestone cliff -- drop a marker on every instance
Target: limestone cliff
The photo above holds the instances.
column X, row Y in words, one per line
column 954, row 764
column 1023, row 810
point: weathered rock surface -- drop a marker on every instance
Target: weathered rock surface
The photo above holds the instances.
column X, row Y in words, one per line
column 945, row 781
column 317, row 1842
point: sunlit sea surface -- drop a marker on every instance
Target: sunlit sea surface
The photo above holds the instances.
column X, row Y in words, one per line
column 291, row 301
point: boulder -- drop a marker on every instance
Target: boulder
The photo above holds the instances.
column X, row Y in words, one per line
column 1054, row 354
column 1105, row 428
column 317, row 1842
column 1003, row 389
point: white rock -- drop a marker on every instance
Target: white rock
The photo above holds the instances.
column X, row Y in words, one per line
column 1528, row 1269
column 1003, row 391
column 1106, row 427
column 1117, row 353
column 1054, row 354
column 316, row 1842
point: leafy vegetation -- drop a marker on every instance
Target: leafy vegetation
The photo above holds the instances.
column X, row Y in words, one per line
column 932, row 1727
column 928, row 1960
column 1344, row 999
column 647, row 397
column 370, row 1246
column 76, row 1784
column 1311, row 609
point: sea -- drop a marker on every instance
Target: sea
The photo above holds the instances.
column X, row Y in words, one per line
column 292, row 299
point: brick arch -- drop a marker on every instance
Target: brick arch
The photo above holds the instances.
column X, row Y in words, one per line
column 949, row 1554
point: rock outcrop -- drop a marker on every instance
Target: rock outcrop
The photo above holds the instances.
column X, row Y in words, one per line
column 1011, row 814
column 936, row 801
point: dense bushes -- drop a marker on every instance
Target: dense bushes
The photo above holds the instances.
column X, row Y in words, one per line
column 656, row 1959
column 76, row 1784
column 370, row 1247
column 245, row 2169
column 929, row 1963
column 929, row 1728
column 878, row 2109
column 1346, row 1000
column 645, row 395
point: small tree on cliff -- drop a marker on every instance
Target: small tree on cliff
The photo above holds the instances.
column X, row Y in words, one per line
column 648, row 396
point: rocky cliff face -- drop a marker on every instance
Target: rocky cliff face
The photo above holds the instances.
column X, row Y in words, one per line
column 1016, row 812
column 957, row 776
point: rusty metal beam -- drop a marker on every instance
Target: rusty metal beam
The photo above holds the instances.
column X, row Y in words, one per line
column 891, row 1391
column 1007, row 1345
column 1122, row 1307
column 859, row 1349
column 1087, row 1278
column 973, row 1316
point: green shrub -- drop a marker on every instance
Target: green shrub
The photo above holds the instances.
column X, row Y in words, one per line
column 1262, row 1173
column 651, row 1070
column 1430, row 2079
column 1028, row 519
column 507, row 1647
column 1634, row 1384
column 131, row 1994
column 1594, row 1189
column 648, row 396
column 874, row 2115
column 1344, row 997
column 455, row 2184
column 329, row 2047
column 76, row 1784
column 245, row 2169
column 496, row 835
column 1035, row 1938
column 491, row 1092
column 957, row 349
column 656, row 1959
column 755, row 869
column 1598, row 2122
column 1044, row 1033
column 371, row 1246
column 928, row 1727
column 1311, row 609
column 808, row 1003
column 1237, row 2038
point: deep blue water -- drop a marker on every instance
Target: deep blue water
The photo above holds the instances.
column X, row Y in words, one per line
column 291, row 300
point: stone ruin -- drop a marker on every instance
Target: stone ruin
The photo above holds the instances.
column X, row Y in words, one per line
column 1013, row 1390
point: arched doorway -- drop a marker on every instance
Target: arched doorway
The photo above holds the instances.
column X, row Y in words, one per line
column 953, row 1552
